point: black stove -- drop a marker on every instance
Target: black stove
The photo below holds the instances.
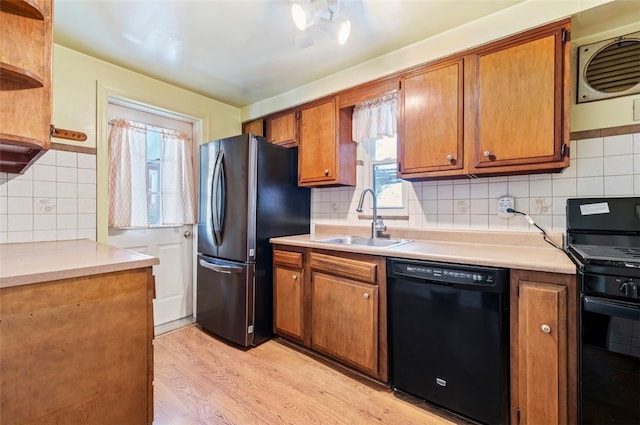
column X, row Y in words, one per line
column 603, row 239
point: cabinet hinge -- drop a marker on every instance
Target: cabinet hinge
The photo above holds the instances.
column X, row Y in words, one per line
column 297, row 115
column 517, row 415
column 517, row 291
column 399, row 85
column 565, row 36
column 564, row 150
column 250, row 329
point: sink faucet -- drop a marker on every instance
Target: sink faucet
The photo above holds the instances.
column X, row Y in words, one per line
column 377, row 224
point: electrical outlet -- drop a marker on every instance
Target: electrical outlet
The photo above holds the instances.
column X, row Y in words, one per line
column 504, row 203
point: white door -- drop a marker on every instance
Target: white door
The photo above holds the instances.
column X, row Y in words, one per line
column 174, row 247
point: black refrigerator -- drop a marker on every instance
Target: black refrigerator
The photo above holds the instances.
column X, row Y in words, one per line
column 248, row 193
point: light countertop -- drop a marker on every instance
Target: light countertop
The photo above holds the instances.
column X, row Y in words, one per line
column 35, row 262
column 516, row 250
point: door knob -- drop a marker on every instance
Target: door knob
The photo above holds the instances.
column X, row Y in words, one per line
column 187, row 234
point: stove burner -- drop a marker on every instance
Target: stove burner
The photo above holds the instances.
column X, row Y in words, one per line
column 628, row 252
column 607, row 254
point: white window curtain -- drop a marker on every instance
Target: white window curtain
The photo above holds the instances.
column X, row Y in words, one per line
column 375, row 118
column 178, row 205
column 127, row 176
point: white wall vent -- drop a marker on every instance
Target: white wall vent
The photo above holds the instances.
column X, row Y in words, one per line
column 609, row 68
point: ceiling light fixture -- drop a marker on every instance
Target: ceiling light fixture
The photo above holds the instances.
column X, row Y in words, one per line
column 310, row 14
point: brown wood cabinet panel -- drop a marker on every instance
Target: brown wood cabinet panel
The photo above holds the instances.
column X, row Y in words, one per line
column 520, row 103
column 345, row 267
column 25, row 82
column 78, row 350
column 345, row 320
column 542, row 331
column 254, row 127
column 543, row 348
column 430, row 128
column 282, row 129
column 287, row 258
column 327, row 153
column 317, row 159
column 288, row 302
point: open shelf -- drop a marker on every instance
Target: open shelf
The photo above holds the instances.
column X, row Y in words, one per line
column 18, row 153
column 15, row 78
column 26, row 8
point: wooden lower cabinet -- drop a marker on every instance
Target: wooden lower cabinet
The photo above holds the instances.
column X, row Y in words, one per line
column 336, row 305
column 543, row 348
column 288, row 279
column 344, row 321
column 78, row 351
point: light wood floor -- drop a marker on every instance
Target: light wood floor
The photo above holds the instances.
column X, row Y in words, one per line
column 201, row 380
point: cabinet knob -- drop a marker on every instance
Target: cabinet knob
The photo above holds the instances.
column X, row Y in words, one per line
column 273, row 140
column 366, row 296
column 450, row 158
column 326, row 172
column 294, row 277
column 545, row 328
column 487, row 154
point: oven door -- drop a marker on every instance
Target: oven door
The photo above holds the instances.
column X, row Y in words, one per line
column 610, row 361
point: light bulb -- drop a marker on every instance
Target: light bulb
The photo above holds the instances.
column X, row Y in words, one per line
column 343, row 33
column 299, row 17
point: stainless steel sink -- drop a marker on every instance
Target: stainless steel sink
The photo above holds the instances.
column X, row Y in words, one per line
column 364, row 241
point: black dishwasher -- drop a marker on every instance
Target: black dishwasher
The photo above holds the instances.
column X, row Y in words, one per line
column 449, row 336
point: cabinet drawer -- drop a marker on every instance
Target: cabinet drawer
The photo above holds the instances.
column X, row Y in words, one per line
column 338, row 266
column 288, row 258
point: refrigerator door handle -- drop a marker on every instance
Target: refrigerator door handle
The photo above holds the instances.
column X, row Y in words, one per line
column 218, row 198
column 219, row 268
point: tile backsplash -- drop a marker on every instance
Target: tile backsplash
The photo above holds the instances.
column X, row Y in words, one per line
column 603, row 166
column 55, row 199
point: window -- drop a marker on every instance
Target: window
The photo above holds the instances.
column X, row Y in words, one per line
column 154, row 154
column 381, row 170
column 150, row 176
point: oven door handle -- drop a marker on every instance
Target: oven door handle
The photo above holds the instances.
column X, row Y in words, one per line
column 612, row 308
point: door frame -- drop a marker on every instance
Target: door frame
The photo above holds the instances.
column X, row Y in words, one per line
column 121, row 91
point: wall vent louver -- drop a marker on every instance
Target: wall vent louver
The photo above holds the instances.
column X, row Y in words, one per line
column 609, row 68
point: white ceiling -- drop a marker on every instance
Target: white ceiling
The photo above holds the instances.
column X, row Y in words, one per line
column 244, row 51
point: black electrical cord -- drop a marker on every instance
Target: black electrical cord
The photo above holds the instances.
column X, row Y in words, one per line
column 544, row 232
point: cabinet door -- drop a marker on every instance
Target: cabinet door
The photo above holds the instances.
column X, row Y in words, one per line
column 25, row 82
column 317, row 156
column 344, row 320
column 520, row 103
column 288, row 302
column 281, row 129
column 542, row 353
column 430, row 130
column 254, row 127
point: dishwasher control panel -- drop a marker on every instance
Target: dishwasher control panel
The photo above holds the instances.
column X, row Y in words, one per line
column 448, row 273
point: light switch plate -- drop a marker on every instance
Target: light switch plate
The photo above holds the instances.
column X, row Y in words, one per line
column 504, row 203
column 636, row 109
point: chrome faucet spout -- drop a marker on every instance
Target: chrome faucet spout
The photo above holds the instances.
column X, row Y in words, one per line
column 377, row 224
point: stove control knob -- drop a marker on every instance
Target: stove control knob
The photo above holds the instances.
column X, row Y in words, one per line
column 629, row 288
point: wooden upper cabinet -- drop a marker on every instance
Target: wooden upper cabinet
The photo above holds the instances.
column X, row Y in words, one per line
column 430, row 124
column 327, row 153
column 25, row 82
column 282, row 129
column 520, row 103
column 254, row 127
